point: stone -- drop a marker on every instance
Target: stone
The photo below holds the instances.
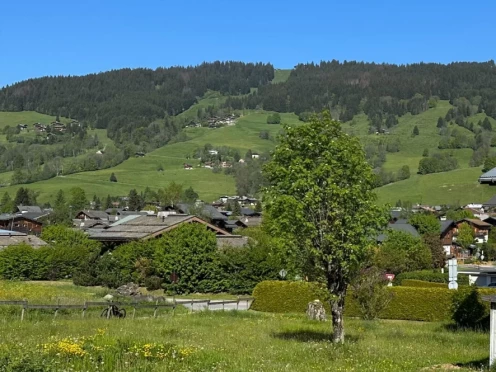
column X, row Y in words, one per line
column 316, row 311
column 108, row 297
column 130, row 290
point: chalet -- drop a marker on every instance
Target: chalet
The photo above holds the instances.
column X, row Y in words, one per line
column 40, row 127
column 231, row 225
column 140, row 154
column 255, row 155
column 32, row 211
column 490, row 204
column 137, row 227
column 58, row 127
column 448, row 228
column 20, row 223
column 92, row 215
column 22, row 126
column 9, row 237
column 187, row 166
column 217, row 218
column 481, row 229
column 213, row 152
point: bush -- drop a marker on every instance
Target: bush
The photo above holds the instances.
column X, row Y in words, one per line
column 407, row 303
column 422, row 284
column 468, row 310
column 429, row 276
column 153, row 283
column 371, row 293
column 274, row 119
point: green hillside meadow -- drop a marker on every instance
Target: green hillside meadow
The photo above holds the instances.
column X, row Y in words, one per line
column 458, row 186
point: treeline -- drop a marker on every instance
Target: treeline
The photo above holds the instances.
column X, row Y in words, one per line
column 377, row 89
column 127, row 99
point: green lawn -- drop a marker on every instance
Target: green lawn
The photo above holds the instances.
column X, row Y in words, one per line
column 236, row 341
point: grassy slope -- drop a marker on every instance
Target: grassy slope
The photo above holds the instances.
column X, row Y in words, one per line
column 142, row 172
column 280, row 76
column 450, row 187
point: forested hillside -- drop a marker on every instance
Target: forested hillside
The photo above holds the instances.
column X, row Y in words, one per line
column 377, row 89
column 124, row 100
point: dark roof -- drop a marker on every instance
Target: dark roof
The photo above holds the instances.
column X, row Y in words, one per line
column 208, row 210
column 95, row 215
column 490, row 203
column 35, row 215
column 8, row 238
column 29, row 208
column 404, row 227
column 16, row 217
column 249, row 212
column 445, row 225
column 395, row 214
column 491, row 220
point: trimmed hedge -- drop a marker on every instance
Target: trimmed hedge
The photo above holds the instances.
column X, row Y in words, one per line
column 408, row 303
column 429, row 276
column 285, row 296
column 422, row 284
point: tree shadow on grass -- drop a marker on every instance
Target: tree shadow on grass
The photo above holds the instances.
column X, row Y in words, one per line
column 477, row 365
column 308, row 335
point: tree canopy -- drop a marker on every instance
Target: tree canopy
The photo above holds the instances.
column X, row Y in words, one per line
column 320, row 196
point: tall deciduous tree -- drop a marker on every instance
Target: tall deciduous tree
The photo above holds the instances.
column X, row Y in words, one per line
column 425, row 223
column 78, row 199
column 465, row 235
column 320, row 194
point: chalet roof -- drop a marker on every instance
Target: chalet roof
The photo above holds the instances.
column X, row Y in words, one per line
column 138, row 227
column 16, row 217
column 249, row 212
column 34, row 215
column 490, row 203
column 446, row 224
column 95, row 215
column 404, row 227
column 231, row 241
column 29, row 208
column 208, row 210
column 8, row 238
column 488, row 177
column 476, row 222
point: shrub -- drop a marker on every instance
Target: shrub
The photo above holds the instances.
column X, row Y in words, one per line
column 371, row 293
column 153, row 283
column 422, row 284
column 468, row 309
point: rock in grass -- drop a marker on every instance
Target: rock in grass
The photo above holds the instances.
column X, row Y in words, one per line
column 316, row 311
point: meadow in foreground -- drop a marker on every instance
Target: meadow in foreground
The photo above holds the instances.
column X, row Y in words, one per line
column 232, row 341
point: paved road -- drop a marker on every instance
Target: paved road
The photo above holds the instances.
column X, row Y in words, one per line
column 215, row 305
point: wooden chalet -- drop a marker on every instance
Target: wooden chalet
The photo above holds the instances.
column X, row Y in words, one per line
column 20, row 223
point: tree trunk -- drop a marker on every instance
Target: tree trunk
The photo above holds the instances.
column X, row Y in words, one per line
column 337, row 309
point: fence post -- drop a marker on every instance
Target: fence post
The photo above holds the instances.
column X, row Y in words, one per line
column 134, row 310
column 109, row 310
column 156, row 308
column 84, row 308
column 23, row 309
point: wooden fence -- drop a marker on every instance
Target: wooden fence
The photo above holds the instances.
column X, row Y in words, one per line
column 188, row 303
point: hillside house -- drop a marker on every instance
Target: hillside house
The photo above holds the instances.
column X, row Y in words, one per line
column 255, row 155
column 139, row 154
column 448, row 228
column 489, row 177
column 480, row 228
column 213, row 152
column 20, row 223
column 58, row 127
column 22, row 126
column 187, row 166
column 92, row 215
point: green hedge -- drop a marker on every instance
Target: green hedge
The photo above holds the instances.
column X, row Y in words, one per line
column 429, row 276
column 422, row 284
column 408, row 303
column 285, row 296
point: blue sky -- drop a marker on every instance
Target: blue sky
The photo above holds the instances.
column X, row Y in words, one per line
column 41, row 38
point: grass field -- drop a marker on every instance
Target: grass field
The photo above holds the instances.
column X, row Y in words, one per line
column 235, row 341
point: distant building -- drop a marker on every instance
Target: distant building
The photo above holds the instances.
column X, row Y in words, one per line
column 9, row 238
